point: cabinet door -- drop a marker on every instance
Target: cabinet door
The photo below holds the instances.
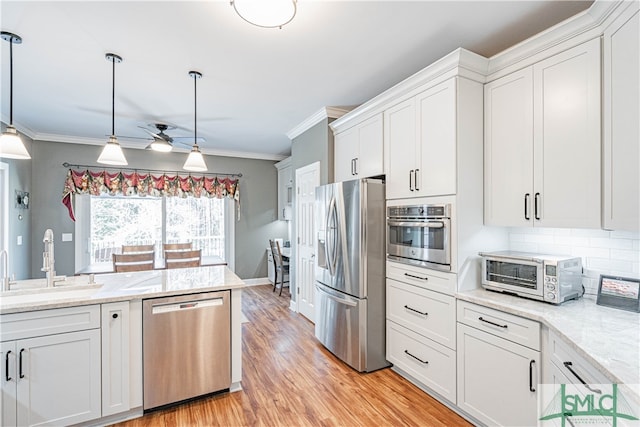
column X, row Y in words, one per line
column 345, row 153
column 370, row 152
column 567, row 138
column 115, row 358
column 621, row 130
column 61, row 383
column 436, row 174
column 497, row 379
column 9, row 383
column 508, row 151
column 400, row 147
column 285, row 193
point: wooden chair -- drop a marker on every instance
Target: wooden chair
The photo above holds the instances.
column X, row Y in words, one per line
column 181, row 259
column 137, row 248
column 133, row 262
column 281, row 267
column 176, row 246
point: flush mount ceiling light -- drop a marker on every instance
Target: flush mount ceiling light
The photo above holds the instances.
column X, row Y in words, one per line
column 11, row 145
column 195, row 161
column 112, row 152
column 266, row 13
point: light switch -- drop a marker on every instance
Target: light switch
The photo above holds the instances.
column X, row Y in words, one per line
column 19, row 240
column 67, row 237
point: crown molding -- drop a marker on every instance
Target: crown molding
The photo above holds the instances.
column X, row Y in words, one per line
column 460, row 62
column 315, row 118
column 130, row 145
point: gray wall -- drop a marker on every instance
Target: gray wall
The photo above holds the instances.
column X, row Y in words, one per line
column 313, row 145
column 258, row 201
column 19, row 179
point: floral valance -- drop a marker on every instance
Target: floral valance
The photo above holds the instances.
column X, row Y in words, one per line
column 98, row 182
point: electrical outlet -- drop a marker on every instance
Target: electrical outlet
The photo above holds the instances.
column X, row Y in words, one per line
column 19, row 240
column 67, row 237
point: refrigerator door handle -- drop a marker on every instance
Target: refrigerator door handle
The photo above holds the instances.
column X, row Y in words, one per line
column 339, row 300
column 332, row 229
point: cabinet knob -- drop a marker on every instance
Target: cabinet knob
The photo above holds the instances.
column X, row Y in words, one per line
column 114, row 315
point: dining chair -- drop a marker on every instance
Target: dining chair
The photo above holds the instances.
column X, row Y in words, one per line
column 133, row 262
column 176, row 246
column 137, row 248
column 280, row 266
column 181, row 259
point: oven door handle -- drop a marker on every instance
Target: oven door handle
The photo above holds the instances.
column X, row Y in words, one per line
column 427, row 224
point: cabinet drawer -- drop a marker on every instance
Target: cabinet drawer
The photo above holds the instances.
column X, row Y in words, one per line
column 428, row 313
column 425, row 360
column 561, row 353
column 48, row 322
column 513, row 328
column 425, row 278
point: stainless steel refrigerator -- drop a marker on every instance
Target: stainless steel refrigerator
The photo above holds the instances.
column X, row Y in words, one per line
column 350, row 272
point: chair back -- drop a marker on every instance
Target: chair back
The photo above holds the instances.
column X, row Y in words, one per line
column 137, row 248
column 181, row 259
column 176, row 246
column 276, row 253
column 133, row 262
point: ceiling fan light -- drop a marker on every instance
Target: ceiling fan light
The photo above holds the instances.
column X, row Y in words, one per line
column 112, row 153
column 11, row 145
column 161, row 145
column 195, row 161
column 266, row 13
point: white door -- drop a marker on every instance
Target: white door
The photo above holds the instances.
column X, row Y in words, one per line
column 371, row 147
column 345, row 154
column 307, row 179
column 8, row 381
column 400, row 143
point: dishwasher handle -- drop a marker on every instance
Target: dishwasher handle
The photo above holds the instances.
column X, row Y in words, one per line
column 186, row 305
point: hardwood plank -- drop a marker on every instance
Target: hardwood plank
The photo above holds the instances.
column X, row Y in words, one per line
column 290, row 379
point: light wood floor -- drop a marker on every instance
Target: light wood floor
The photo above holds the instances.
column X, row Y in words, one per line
column 289, row 379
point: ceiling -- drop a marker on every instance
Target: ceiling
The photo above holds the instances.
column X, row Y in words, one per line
column 257, row 83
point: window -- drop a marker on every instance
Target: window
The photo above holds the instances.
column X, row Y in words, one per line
column 106, row 223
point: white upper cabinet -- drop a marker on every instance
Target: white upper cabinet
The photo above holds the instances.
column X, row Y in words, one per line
column 421, row 137
column 285, row 189
column 358, row 151
column 542, row 143
column 621, row 129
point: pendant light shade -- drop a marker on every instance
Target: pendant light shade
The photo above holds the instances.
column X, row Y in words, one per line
column 195, row 161
column 266, row 13
column 11, row 145
column 112, row 152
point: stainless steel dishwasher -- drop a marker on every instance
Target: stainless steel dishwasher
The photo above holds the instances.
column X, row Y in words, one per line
column 186, row 347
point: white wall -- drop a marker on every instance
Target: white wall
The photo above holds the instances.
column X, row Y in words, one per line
column 602, row 252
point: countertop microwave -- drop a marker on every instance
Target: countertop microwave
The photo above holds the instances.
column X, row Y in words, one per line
column 549, row 278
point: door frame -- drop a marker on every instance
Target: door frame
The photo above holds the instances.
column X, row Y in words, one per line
column 295, row 305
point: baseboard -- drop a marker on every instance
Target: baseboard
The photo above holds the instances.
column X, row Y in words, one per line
column 257, row 281
column 292, row 306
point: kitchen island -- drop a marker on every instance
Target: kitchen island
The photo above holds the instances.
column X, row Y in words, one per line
column 74, row 354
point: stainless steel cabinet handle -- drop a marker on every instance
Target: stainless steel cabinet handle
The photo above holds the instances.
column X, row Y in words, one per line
column 21, row 374
column 415, row 179
column 355, row 166
column 492, row 323
column 430, row 224
column 568, row 365
column 410, row 183
column 416, row 311
column 6, row 366
column 536, row 214
column 415, row 357
column 531, row 363
column 526, row 206
column 416, row 277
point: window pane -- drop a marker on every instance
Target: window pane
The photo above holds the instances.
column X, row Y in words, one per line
column 197, row 220
column 117, row 221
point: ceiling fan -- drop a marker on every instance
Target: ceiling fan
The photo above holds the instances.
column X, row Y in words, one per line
column 163, row 142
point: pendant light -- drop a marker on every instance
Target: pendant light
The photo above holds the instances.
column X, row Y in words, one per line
column 11, row 145
column 195, row 161
column 112, row 152
column 266, row 13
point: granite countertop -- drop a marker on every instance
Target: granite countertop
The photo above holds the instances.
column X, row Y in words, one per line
column 121, row 287
column 606, row 337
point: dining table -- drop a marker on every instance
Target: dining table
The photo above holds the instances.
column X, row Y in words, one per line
column 159, row 264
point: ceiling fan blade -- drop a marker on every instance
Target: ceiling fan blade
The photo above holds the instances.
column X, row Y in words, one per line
column 187, row 140
column 150, row 133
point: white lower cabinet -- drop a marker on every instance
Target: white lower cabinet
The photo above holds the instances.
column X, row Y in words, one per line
column 55, row 378
column 498, row 379
column 115, row 358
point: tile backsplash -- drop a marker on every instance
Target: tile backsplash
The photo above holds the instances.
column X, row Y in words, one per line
column 602, row 251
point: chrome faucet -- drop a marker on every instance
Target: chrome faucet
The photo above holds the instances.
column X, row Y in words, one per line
column 5, row 271
column 48, row 259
